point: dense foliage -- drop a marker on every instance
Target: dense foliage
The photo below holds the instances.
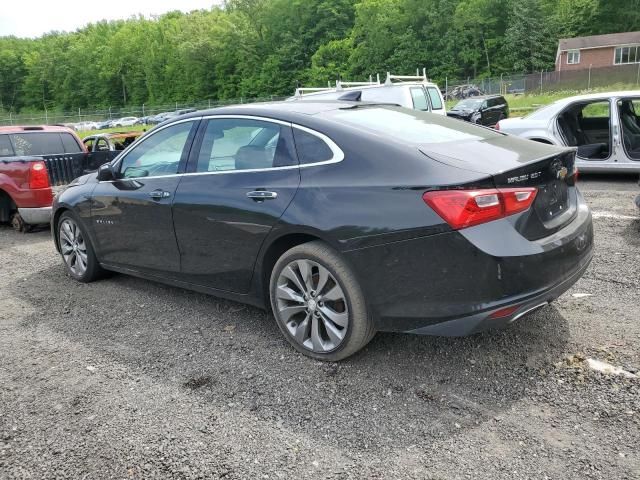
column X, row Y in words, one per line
column 254, row 48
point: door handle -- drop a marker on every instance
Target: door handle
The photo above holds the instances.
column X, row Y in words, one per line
column 260, row 195
column 159, row 194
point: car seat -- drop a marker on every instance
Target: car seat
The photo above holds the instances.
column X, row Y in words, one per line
column 570, row 127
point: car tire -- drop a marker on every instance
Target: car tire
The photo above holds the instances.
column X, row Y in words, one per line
column 77, row 250
column 325, row 317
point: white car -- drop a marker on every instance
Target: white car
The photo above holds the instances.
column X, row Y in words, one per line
column 85, row 126
column 604, row 128
column 414, row 92
column 126, row 122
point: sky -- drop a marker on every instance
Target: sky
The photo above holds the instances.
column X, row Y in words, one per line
column 33, row 18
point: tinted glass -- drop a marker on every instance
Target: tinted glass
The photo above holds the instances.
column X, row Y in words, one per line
column 411, row 126
column 468, row 103
column 69, row 143
column 37, row 143
column 6, row 150
column 159, row 154
column 310, row 148
column 239, row 144
column 434, row 95
column 419, row 99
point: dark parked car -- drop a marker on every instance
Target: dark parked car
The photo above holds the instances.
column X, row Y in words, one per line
column 487, row 110
column 344, row 218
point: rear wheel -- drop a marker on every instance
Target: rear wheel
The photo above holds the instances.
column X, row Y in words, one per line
column 318, row 303
column 77, row 251
column 18, row 223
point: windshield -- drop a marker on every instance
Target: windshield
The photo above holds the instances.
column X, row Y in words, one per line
column 468, row 103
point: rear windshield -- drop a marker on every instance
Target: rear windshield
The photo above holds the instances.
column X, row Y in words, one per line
column 43, row 143
column 411, row 126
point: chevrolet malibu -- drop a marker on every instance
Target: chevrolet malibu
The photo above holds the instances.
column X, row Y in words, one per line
column 342, row 218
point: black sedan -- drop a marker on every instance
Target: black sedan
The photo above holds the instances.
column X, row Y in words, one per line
column 342, row 218
column 486, row 110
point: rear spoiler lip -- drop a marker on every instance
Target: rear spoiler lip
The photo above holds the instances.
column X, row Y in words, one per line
column 458, row 163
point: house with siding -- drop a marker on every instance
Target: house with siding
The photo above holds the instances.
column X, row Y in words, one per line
column 598, row 51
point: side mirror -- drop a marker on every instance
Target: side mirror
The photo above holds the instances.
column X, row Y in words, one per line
column 106, row 173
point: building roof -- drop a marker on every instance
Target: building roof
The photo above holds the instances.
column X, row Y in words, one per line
column 595, row 41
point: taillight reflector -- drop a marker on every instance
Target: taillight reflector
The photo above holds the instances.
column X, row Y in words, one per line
column 504, row 312
column 466, row 208
column 38, row 176
column 497, row 126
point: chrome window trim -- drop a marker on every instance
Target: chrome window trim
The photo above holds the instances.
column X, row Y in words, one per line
column 338, row 154
column 118, row 160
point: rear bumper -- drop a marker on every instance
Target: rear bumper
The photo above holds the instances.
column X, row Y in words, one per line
column 484, row 321
column 35, row 216
column 451, row 283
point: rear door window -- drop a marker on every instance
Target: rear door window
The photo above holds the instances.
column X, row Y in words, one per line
column 26, row 144
column 231, row 144
column 434, row 95
column 419, row 99
column 6, row 150
column 69, row 143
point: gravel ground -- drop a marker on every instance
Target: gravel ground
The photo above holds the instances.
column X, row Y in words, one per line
column 126, row 378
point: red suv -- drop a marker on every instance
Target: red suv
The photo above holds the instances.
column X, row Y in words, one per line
column 36, row 162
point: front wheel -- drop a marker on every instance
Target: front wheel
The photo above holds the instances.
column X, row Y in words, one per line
column 318, row 303
column 76, row 250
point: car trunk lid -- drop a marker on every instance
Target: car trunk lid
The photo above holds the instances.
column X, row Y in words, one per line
column 514, row 163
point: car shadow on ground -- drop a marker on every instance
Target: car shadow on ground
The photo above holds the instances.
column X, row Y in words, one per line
column 234, row 357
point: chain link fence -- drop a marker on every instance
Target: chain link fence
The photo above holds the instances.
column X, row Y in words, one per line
column 112, row 113
column 624, row 76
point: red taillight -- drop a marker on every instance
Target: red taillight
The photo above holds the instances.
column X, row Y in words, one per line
column 576, row 173
column 38, row 176
column 504, row 312
column 465, row 208
column 497, row 127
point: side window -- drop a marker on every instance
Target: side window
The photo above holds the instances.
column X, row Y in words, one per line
column 311, row 148
column 6, row 150
column 434, row 95
column 596, row 110
column 419, row 99
column 158, row 155
column 102, row 145
column 70, row 144
column 231, row 144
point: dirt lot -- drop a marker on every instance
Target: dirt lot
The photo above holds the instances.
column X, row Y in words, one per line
column 126, row 378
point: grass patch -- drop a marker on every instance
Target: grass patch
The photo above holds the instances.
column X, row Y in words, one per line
column 135, row 128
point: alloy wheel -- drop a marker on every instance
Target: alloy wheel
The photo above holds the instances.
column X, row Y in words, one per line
column 73, row 247
column 312, row 306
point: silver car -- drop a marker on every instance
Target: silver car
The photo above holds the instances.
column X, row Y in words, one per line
column 604, row 127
